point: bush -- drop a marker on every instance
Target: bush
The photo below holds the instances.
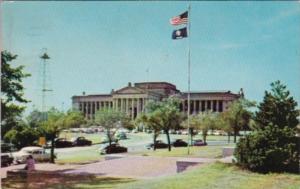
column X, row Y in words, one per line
column 269, row 150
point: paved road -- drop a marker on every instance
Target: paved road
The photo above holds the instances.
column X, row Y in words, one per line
column 135, row 167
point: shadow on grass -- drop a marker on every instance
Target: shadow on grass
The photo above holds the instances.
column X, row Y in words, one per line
column 59, row 180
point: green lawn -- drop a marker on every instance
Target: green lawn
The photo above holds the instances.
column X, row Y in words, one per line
column 219, row 176
column 79, row 157
column 64, row 182
column 211, row 176
column 195, row 151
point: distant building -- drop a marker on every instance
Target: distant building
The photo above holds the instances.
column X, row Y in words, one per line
column 133, row 98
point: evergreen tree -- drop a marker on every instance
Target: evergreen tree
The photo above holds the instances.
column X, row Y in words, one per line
column 12, row 91
column 273, row 146
column 278, row 108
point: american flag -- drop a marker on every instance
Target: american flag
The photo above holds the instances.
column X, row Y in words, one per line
column 181, row 19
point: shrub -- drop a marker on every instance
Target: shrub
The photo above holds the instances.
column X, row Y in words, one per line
column 270, row 150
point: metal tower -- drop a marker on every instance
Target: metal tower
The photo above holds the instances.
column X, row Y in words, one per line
column 45, row 88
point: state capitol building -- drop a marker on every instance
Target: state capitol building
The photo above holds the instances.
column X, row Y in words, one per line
column 133, row 98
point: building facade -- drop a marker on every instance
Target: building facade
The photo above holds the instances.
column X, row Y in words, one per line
column 132, row 99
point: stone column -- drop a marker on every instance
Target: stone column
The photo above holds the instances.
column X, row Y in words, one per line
column 194, row 107
column 217, row 105
column 132, row 108
column 143, row 104
column 211, row 105
column 121, row 104
column 138, row 106
column 126, row 100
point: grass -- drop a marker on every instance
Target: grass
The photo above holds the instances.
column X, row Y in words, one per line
column 219, row 176
column 211, row 176
column 79, row 157
column 195, row 151
column 64, row 182
column 96, row 138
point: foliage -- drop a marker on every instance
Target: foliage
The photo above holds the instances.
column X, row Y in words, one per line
column 165, row 115
column 238, row 116
column 111, row 120
column 22, row 135
column 223, row 124
column 12, row 91
column 272, row 147
column 35, row 118
column 278, row 108
column 152, row 122
column 73, row 119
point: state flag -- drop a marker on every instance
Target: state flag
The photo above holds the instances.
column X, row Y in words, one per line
column 181, row 19
column 179, row 33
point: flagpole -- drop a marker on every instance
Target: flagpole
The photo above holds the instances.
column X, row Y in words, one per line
column 189, row 75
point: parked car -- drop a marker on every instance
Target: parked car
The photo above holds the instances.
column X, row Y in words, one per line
column 179, row 143
column 37, row 153
column 62, row 143
column 81, row 141
column 6, row 159
column 7, row 147
column 198, row 143
column 158, row 144
column 113, row 148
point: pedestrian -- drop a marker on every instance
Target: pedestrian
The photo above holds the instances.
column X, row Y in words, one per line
column 30, row 163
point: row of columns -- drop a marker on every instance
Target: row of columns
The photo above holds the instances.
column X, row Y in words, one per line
column 134, row 106
column 89, row 108
column 131, row 106
column 197, row 106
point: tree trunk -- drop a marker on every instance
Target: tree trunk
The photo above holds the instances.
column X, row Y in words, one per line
column 228, row 134
column 52, row 151
column 154, row 141
column 168, row 138
column 109, row 137
column 191, row 133
column 235, row 133
column 204, row 137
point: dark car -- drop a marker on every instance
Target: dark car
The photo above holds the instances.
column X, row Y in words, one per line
column 179, row 143
column 81, row 141
column 113, row 148
column 6, row 159
column 62, row 143
column 199, row 143
column 158, row 144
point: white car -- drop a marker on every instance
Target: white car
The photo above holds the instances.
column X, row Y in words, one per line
column 37, row 153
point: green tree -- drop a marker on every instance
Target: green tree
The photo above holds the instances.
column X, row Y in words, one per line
column 278, row 108
column 208, row 122
column 22, row 135
column 12, row 91
column 35, row 118
column 74, row 119
column 223, row 124
column 151, row 121
column 195, row 125
column 273, row 146
column 167, row 115
column 52, row 127
column 238, row 115
column 111, row 120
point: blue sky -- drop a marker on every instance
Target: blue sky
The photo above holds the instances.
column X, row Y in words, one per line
column 97, row 46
